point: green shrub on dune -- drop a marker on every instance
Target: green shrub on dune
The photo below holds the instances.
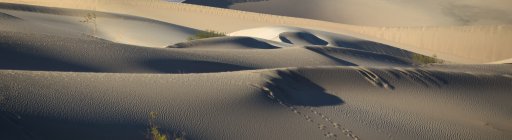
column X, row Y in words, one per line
column 206, row 34
column 156, row 134
column 422, row 59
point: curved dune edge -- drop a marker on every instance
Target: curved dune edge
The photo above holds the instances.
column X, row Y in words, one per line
column 507, row 61
column 465, row 44
column 236, row 42
column 119, row 28
column 32, row 51
column 302, row 36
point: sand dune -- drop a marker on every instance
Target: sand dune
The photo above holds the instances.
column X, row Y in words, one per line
column 307, row 103
column 390, row 12
column 55, row 53
column 465, row 44
column 114, row 27
column 301, row 36
column 65, row 79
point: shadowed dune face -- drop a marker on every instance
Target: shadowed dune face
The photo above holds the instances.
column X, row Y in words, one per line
column 323, row 53
column 12, row 129
column 21, row 51
column 219, row 3
column 301, row 38
column 349, row 57
column 291, row 88
column 375, row 47
column 63, row 54
column 188, row 66
column 227, row 43
column 12, row 57
column 4, row 16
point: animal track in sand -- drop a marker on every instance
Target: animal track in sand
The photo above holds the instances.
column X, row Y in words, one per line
column 335, row 125
column 323, row 122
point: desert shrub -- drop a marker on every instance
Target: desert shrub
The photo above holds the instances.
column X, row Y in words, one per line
column 422, row 59
column 2, row 100
column 155, row 134
column 206, row 34
column 90, row 18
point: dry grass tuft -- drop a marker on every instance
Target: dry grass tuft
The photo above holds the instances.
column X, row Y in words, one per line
column 156, row 134
column 422, row 59
column 206, row 34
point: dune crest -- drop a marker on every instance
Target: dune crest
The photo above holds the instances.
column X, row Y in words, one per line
column 466, row 44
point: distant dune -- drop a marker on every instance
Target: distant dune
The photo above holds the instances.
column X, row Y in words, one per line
column 507, row 61
column 114, row 27
column 382, row 13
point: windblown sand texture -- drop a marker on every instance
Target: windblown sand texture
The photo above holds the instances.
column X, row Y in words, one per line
column 272, row 77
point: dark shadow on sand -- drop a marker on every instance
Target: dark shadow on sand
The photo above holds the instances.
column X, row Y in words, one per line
column 374, row 47
column 242, row 41
column 190, row 66
column 218, row 3
column 339, row 61
column 292, row 88
column 306, row 37
column 20, row 58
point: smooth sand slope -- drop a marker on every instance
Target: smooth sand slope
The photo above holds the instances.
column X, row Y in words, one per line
column 464, row 44
column 114, row 27
column 388, row 12
column 306, row 103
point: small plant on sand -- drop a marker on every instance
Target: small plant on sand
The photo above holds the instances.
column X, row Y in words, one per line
column 2, row 100
column 422, row 59
column 155, row 134
column 206, row 34
column 90, row 18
